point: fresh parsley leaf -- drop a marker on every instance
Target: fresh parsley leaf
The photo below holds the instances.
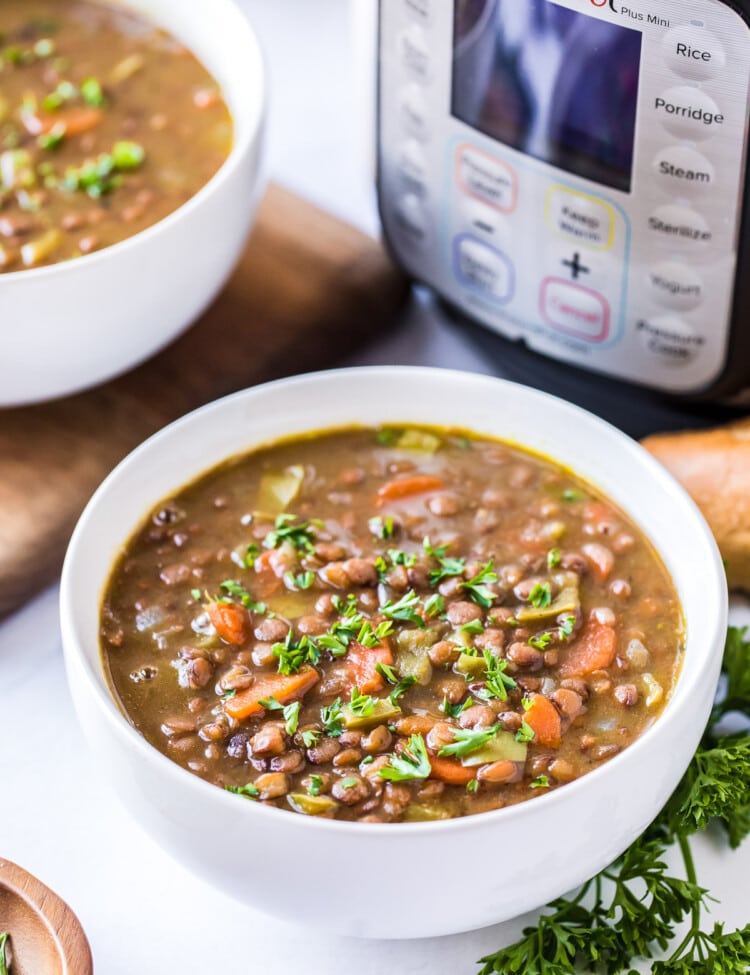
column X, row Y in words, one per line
column 196, row 594
column 310, row 738
column 398, row 557
column 249, row 791
column 497, row 681
column 291, row 717
column 293, row 654
column 401, row 686
column 449, row 568
column 405, row 609
column 525, row 732
column 540, row 782
column 434, row 606
column 453, row 710
column 466, row 741
column 240, row 595
column 362, row 704
column 300, row 581
column 572, row 495
column 478, row 587
column 566, row 627
column 540, row 641
column 382, row 528
column 540, row 596
column 412, row 763
column 473, row 786
column 349, row 783
column 554, row 558
column 300, row 534
column 315, row 786
column 473, row 628
column 332, row 719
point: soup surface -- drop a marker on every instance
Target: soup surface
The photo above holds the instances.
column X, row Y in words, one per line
column 107, row 125
column 390, row 625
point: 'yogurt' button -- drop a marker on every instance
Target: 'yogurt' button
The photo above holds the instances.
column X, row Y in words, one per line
column 688, row 113
column 676, row 224
column 670, row 339
column 676, row 285
column 692, row 52
column 681, row 168
column 483, row 268
column 415, row 52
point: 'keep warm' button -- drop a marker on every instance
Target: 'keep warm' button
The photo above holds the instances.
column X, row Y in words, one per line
column 581, row 218
column 575, row 310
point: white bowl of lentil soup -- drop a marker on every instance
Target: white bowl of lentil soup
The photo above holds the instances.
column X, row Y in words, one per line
column 130, row 154
column 399, row 626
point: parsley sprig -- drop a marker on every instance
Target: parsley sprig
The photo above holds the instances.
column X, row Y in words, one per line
column 412, row 763
column 299, row 534
column 633, row 909
column 449, row 568
column 466, row 741
column 478, row 586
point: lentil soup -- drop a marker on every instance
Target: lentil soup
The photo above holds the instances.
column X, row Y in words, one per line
column 107, row 125
column 390, row 625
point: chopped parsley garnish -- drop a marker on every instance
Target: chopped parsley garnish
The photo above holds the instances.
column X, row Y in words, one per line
column 405, row 609
column 567, row 625
column 315, row 786
column 412, row 763
column 398, row 557
column 52, row 139
column 473, row 786
column 525, row 732
column 453, row 710
column 383, row 528
column 367, row 637
column 251, row 554
column 290, row 711
column 386, row 437
column 572, row 495
column 434, row 606
column 4, row 939
column 540, row 782
column 249, row 791
column 554, row 558
column 449, row 568
column 349, row 783
column 299, row 534
column 497, row 682
column 310, row 738
column 240, row 595
column 478, row 588
column 361, row 704
column 465, row 741
column 92, row 94
column 300, row 581
column 332, row 719
column 473, row 628
column 540, row 596
column 293, row 654
column 400, row 686
column 196, row 594
column 541, row 640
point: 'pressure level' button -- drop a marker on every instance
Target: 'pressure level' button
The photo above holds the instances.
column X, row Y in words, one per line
column 675, row 285
column 692, row 52
column 488, row 179
column 688, row 113
column 682, row 169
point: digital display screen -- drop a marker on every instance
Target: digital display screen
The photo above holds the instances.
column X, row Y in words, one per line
column 556, row 84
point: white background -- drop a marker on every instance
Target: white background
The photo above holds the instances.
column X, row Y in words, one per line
column 143, row 913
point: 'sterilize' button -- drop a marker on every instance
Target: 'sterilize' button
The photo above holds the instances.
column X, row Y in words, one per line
column 689, row 113
column 678, row 224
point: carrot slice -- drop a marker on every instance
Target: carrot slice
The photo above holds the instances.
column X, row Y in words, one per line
column 407, row 487
column 595, row 649
column 75, row 121
column 231, row 622
column 544, row 718
column 285, row 688
column 451, row 771
column 361, row 663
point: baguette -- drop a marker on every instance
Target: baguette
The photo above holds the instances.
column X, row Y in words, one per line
column 714, row 467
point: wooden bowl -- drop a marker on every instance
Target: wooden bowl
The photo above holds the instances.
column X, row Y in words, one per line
column 45, row 935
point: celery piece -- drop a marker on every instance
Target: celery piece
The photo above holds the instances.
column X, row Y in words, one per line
column 309, row 805
column 36, row 251
column 471, row 666
column 412, row 647
column 418, row 440
column 568, row 600
column 384, row 710
column 278, row 491
column 425, row 813
column 502, row 748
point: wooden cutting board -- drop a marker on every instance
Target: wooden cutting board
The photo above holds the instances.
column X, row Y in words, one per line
column 308, row 290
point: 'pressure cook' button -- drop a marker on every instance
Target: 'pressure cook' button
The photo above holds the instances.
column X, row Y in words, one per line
column 670, row 339
column 414, row 112
column 414, row 52
column 487, row 178
column 679, row 224
column 682, row 168
column 693, row 53
column 575, row 310
column 412, row 220
column 676, row 285
column 483, row 268
column 581, row 218
column 689, row 113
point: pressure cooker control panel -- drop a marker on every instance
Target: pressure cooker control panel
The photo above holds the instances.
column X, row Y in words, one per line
column 571, row 172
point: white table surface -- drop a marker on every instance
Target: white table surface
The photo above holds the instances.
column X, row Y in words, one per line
column 142, row 911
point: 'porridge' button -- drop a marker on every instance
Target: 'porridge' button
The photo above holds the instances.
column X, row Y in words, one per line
column 689, row 113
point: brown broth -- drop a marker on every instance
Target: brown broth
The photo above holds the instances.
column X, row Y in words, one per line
column 533, row 523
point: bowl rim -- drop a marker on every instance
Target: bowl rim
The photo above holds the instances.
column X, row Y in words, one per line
column 240, row 148
column 714, row 592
